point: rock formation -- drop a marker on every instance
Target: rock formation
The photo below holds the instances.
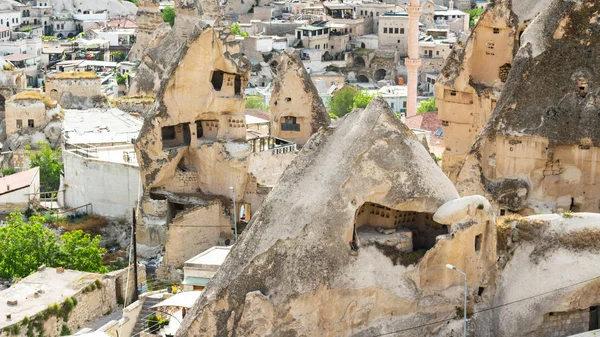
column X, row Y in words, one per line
column 148, row 19
column 115, row 8
column 152, row 29
column 297, row 111
column 351, row 241
column 192, row 148
column 547, row 281
column 469, row 85
column 538, row 153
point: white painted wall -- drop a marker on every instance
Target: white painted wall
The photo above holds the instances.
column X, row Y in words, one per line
column 11, row 18
column 20, row 197
column 112, row 188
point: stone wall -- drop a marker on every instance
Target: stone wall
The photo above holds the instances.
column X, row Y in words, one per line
column 559, row 324
column 90, row 305
column 75, row 93
column 140, row 105
column 125, row 282
column 23, row 111
column 268, row 167
column 196, row 231
column 97, row 296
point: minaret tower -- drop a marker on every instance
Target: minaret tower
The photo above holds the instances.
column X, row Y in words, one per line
column 413, row 62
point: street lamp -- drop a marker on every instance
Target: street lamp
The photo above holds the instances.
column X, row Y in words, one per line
column 234, row 215
column 451, row 267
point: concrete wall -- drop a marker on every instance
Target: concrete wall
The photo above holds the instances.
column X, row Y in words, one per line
column 111, row 188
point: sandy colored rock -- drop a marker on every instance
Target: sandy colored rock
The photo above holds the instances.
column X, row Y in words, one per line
column 537, row 153
column 297, row 111
column 294, row 271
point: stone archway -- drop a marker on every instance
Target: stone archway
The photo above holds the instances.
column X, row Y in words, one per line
column 380, row 74
column 362, row 79
column 358, row 62
column 54, row 94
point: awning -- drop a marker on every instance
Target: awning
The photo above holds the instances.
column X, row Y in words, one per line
column 185, row 299
column 196, row 281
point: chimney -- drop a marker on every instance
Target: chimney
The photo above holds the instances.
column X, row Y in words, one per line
column 451, row 4
column 8, row 187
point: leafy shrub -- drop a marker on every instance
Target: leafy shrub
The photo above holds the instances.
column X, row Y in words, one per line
column 8, row 171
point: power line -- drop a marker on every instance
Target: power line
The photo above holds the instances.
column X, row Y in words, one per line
column 491, row 308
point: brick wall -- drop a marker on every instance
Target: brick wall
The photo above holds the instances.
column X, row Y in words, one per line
column 560, row 324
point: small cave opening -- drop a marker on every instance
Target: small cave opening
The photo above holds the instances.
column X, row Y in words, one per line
column 175, row 135
column 174, row 208
column 185, row 165
column 402, row 236
column 217, row 79
column 582, row 87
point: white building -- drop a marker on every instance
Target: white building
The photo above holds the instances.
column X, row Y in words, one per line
column 198, row 270
column 100, row 164
column 395, row 95
column 31, row 46
column 11, row 18
column 116, row 37
column 456, row 20
column 19, row 190
column 393, row 32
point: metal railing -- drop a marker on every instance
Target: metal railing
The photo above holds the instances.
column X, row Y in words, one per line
column 284, row 149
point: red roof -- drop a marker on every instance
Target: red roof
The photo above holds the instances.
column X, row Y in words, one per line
column 18, row 181
column 426, row 121
column 258, row 113
column 18, row 57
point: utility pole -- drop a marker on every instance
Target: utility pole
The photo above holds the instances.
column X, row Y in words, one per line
column 135, row 265
column 451, row 267
column 235, row 236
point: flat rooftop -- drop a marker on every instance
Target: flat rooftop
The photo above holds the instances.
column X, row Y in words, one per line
column 97, row 126
column 52, row 286
column 213, row 256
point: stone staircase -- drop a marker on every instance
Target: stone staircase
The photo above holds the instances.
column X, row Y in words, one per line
column 140, row 324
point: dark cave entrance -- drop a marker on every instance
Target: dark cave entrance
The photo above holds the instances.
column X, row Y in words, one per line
column 403, row 236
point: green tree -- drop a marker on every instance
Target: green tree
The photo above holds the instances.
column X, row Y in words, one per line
column 50, row 163
column 341, row 101
column 362, row 99
column 474, row 14
column 135, row 2
column 79, row 251
column 427, row 106
column 24, row 246
column 235, row 30
column 169, row 15
column 118, row 56
column 256, row 102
